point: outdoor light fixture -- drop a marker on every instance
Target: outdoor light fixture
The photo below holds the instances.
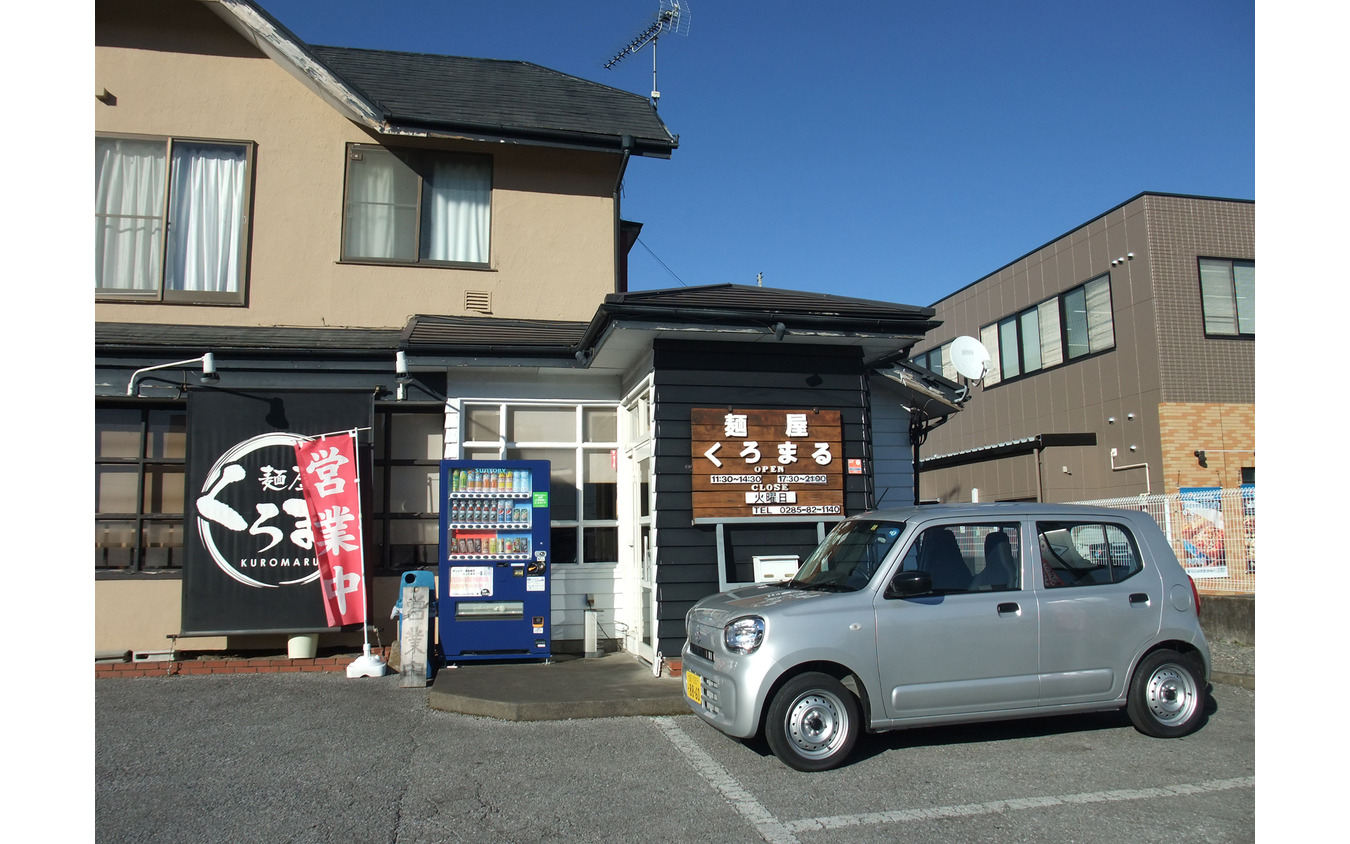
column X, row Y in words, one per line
column 208, row 362
column 401, row 365
column 1200, row 458
column 779, row 329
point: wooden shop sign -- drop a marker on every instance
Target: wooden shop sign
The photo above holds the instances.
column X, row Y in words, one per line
column 767, row 463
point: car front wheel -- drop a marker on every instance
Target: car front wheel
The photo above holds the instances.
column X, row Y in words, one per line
column 1167, row 695
column 813, row 722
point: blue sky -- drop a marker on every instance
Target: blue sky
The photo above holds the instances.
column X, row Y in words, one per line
column 883, row 150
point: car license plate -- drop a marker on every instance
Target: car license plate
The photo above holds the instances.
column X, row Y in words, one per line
column 693, row 686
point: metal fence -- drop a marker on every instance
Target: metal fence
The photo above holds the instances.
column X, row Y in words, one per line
column 1212, row 531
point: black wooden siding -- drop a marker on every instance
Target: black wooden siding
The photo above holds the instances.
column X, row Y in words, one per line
column 745, row 376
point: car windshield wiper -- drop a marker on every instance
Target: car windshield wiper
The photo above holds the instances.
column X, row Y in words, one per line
column 828, row 587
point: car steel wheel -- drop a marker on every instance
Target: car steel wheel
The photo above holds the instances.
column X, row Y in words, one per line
column 1166, row 696
column 813, row 722
column 1171, row 695
column 816, row 724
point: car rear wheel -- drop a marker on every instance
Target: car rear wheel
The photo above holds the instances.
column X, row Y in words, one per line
column 1167, row 695
column 813, row 722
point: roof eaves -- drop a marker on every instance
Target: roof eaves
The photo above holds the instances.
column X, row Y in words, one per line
column 155, row 338
column 293, row 55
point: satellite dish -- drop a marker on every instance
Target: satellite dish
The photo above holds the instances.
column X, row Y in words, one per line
column 970, row 358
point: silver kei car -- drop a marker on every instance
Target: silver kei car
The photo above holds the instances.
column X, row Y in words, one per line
column 950, row 614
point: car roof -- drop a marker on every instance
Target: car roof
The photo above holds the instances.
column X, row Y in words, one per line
column 1001, row 510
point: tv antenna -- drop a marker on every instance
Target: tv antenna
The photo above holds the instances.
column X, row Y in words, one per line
column 672, row 16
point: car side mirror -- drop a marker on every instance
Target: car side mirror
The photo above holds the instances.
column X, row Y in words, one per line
column 908, row 584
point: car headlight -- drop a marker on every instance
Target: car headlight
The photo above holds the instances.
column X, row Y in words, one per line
column 744, row 635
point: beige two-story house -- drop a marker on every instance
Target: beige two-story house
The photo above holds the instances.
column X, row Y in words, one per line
column 283, row 211
column 299, row 241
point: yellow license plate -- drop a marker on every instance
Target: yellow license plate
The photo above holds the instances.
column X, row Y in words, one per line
column 693, row 686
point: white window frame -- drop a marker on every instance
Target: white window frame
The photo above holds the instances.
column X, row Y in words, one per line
column 578, row 444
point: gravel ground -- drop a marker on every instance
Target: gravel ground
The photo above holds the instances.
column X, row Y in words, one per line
column 1233, row 658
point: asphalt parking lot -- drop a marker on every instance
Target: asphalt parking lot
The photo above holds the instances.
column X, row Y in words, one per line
column 321, row 758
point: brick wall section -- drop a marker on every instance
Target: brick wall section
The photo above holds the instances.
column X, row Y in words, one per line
column 1225, row 432
column 247, row 665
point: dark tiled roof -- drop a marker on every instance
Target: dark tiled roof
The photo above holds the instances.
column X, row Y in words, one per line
column 134, row 337
column 488, row 335
column 767, row 303
column 489, row 96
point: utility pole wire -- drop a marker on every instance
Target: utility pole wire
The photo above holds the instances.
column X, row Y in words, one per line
column 662, row 263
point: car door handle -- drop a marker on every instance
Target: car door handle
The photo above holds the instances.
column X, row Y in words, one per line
column 1138, row 598
column 1009, row 608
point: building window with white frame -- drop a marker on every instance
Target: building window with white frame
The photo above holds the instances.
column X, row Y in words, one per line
column 1228, row 297
column 171, row 219
column 416, row 207
column 581, row 444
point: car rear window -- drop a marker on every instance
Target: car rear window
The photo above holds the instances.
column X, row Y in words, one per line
column 1086, row 553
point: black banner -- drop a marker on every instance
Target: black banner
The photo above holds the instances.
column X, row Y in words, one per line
column 250, row 565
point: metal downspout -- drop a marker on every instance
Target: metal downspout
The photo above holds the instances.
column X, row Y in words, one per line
column 618, row 223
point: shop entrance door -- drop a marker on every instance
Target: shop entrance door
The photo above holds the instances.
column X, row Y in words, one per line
column 641, row 635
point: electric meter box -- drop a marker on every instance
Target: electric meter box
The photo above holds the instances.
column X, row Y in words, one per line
column 495, row 561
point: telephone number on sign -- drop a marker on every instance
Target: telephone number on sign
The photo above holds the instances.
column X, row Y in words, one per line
column 797, row 510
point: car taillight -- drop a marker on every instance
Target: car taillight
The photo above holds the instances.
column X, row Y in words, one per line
column 1195, row 594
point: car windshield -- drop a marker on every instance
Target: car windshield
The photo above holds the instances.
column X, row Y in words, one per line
column 849, row 556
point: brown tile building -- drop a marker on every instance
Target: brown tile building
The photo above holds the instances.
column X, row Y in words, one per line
column 1122, row 361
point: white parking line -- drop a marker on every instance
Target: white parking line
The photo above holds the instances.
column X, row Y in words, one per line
column 741, row 800
column 785, row 832
column 994, row 807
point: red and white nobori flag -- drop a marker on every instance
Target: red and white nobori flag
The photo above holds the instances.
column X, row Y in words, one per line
column 333, row 497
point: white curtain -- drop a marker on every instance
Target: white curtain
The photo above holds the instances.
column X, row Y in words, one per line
column 381, row 208
column 1101, row 325
column 206, row 215
column 455, row 211
column 1052, row 354
column 1244, row 287
column 128, row 213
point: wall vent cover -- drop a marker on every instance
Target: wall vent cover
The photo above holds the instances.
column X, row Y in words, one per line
column 478, row 300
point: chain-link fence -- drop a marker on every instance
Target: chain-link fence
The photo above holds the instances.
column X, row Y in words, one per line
column 1212, row 531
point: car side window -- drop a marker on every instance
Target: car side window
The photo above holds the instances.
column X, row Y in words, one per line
column 1086, row 553
column 968, row 557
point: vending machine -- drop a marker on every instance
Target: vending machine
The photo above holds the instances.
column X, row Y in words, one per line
column 494, row 562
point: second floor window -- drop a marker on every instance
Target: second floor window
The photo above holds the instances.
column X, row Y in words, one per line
column 1228, row 296
column 170, row 219
column 1072, row 325
column 412, row 207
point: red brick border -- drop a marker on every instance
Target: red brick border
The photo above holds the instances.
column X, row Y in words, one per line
column 245, row 665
